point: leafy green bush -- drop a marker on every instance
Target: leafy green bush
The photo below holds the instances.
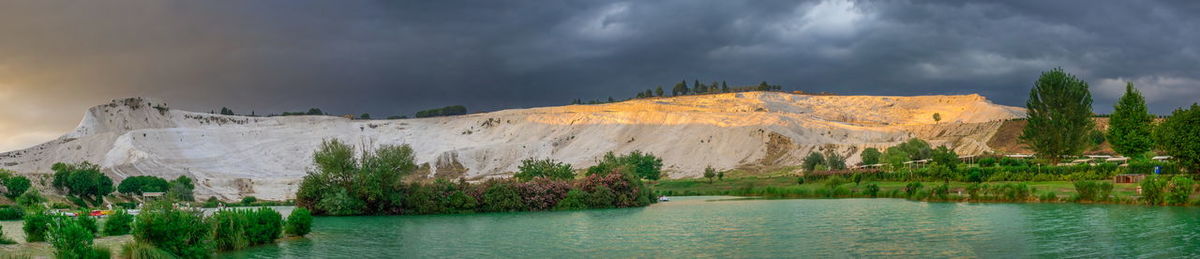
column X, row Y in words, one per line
column 1013, row 162
column 36, row 225
column 911, row 189
column 575, row 200
column 72, row 240
column 601, row 197
column 265, row 226
column 973, row 191
column 1093, row 190
column 643, row 165
column 812, row 160
column 142, row 184
column 87, row 222
column 941, row 192
column 11, row 213
column 987, row 162
column 299, row 223
column 363, row 184
column 946, row 157
column 548, row 168
column 248, row 200
column 119, row 223
column 211, row 202
column 16, row 186
column 229, row 229
column 872, row 190
column 502, row 196
column 31, row 199
column 1152, row 189
column 341, row 204
column 181, row 233
column 1179, row 190
column 1048, row 196
column 1014, row 191
column 181, row 189
column 871, row 156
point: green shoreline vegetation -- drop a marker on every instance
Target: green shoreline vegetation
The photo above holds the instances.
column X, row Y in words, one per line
column 161, row 230
column 347, row 183
column 1154, row 189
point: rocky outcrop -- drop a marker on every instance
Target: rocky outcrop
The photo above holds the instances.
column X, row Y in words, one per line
column 234, row 156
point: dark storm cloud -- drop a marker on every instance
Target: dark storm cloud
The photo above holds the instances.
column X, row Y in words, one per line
column 389, row 57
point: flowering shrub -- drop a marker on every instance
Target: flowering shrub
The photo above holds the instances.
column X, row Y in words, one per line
column 543, row 193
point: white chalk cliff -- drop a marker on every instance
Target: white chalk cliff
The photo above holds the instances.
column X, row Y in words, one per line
column 233, row 156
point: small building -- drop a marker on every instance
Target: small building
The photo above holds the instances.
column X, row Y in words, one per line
column 1019, row 156
column 1161, row 158
column 1128, row 178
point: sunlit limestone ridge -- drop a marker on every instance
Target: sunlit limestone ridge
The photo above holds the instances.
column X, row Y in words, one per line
column 233, row 156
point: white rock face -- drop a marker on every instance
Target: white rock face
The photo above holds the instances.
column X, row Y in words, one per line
column 234, row 156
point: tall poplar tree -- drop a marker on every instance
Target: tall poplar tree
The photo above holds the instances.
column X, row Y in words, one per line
column 1059, row 113
column 1130, row 125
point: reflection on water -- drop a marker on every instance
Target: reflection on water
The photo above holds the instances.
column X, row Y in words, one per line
column 694, row 227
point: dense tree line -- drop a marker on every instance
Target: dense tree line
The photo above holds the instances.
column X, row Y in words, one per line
column 816, row 161
column 164, row 231
column 83, row 180
column 682, row 88
column 311, row 111
column 697, row 87
column 346, row 183
column 444, row 111
column 169, row 232
column 1060, row 126
column 142, row 184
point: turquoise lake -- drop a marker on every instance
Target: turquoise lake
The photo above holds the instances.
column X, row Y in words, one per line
column 691, row 227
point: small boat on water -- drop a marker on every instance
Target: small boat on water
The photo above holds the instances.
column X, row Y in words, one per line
column 664, row 198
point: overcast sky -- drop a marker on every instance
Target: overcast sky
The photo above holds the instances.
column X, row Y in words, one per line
column 58, row 58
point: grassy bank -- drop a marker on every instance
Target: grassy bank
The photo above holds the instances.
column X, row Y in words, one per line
column 1001, row 191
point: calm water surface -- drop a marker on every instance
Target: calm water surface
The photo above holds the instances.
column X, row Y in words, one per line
column 698, row 227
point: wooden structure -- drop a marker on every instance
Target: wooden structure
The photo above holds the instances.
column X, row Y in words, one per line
column 1128, row 178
